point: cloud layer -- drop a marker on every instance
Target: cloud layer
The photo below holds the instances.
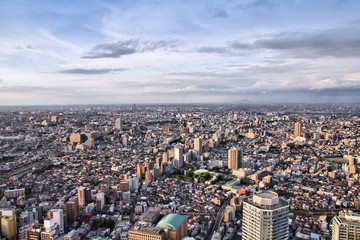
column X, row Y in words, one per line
column 121, row 48
column 179, row 51
column 92, row 71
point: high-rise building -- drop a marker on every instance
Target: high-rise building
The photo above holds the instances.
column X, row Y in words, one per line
column 297, row 129
column 8, row 227
column 229, row 214
column 88, row 196
column 198, row 145
column 178, row 160
column 81, row 196
column 119, row 124
column 265, row 216
column 100, row 201
column 72, row 211
column 234, row 158
column 346, row 226
column 139, row 170
column 58, row 216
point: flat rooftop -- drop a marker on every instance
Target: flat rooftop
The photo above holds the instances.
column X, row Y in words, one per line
column 267, row 200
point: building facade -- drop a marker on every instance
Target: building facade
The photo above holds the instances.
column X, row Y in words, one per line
column 72, row 211
column 234, row 158
column 297, row 129
column 346, row 226
column 198, row 145
column 265, row 216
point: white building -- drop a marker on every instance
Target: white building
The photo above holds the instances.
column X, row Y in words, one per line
column 58, row 216
column 51, row 230
column 14, row 193
column 265, row 216
column 178, row 160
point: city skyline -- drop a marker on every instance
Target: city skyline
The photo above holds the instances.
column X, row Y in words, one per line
column 105, row 52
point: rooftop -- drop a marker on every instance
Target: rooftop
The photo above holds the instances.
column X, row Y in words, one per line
column 148, row 228
column 173, row 221
column 267, row 200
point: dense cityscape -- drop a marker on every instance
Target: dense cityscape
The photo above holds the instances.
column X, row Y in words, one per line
column 231, row 171
column 180, row 120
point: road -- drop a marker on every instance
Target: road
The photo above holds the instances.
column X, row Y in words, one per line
column 218, row 219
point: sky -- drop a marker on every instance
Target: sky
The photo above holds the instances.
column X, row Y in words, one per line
column 169, row 51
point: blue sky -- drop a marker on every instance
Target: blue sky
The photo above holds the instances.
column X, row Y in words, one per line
column 99, row 52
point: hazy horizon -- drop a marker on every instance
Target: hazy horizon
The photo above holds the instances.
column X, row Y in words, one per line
column 179, row 52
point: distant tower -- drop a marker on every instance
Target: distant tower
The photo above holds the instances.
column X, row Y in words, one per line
column 265, row 216
column 81, row 196
column 234, row 158
column 198, row 145
column 119, row 124
column 297, row 129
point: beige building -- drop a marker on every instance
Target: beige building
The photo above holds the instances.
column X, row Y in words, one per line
column 346, row 226
column 154, row 234
column 78, row 138
column 234, row 158
column 198, row 145
column 297, row 129
column 8, row 227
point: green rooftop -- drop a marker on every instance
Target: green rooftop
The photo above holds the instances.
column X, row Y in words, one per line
column 230, row 183
column 172, row 221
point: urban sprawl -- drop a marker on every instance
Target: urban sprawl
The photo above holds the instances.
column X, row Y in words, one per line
column 241, row 171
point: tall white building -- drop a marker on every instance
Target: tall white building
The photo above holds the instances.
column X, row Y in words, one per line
column 58, row 216
column 346, row 226
column 178, row 160
column 265, row 216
